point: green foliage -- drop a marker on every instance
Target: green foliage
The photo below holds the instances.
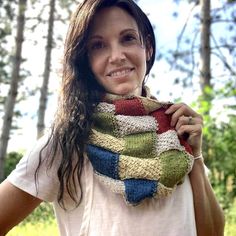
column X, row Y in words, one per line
column 11, row 161
column 219, row 151
column 42, row 214
column 219, row 139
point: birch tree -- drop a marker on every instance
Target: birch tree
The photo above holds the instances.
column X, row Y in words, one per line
column 205, row 47
column 46, row 74
column 15, row 78
column 6, row 16
column 203, row 30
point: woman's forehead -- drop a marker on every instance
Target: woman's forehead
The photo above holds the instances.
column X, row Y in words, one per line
column 113, row 18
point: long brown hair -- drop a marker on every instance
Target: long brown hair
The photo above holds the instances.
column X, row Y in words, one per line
column 80, row 94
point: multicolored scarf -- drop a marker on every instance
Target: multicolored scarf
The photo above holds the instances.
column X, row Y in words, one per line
column 134, row 150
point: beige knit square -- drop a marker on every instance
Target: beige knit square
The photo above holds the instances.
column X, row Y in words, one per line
column 135, row 124
column 163, row 191
column 106, row 141
column 133, row 167
column 168, row 141
column 116, row 186
column 105, row 107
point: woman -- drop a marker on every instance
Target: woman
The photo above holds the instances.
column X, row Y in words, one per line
column 117, row 161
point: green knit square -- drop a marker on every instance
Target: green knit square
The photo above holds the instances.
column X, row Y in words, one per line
column 174, row 165
column 105, row 123
column 140, row 145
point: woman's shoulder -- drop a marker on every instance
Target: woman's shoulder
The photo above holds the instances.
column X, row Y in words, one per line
column 34, row 174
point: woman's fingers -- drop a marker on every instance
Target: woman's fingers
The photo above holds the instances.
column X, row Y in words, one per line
column 190, row 129
column 178, row 110
column 182, row 112
column 187, row 121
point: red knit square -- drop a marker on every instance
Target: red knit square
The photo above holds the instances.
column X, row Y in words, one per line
column 163, row 120
column 129, row 107
column 186, row 145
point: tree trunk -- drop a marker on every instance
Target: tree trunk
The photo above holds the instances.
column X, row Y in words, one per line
column 12, row 94
column 46, row 75
column 205, row 48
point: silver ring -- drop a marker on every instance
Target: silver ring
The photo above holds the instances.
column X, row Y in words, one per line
column 190, row 120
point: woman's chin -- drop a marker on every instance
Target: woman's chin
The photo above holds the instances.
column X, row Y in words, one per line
column 126, row 91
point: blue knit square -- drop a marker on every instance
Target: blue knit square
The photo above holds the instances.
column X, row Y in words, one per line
column 138, row 189
column 103, row 161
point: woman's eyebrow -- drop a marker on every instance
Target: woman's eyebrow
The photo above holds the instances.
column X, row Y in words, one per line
column 128, row 30
column 95, row 36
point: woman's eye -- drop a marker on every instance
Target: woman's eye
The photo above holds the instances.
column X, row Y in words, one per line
column 96, row 46
column 129, row 38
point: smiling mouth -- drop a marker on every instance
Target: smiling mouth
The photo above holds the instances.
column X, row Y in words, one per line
column 120, row 73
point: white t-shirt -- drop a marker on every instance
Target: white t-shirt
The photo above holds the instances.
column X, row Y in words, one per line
column 103, row 212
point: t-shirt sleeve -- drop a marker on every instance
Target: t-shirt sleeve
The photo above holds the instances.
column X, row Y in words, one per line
column 46, row 186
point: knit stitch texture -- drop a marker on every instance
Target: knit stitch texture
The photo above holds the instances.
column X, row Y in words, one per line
column 134, row 150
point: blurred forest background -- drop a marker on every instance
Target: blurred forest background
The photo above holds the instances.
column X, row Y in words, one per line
column 200, row 65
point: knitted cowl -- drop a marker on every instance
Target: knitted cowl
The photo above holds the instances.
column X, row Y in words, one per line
column 133, row 149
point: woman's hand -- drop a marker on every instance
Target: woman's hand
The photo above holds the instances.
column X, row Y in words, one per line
column 187, row 121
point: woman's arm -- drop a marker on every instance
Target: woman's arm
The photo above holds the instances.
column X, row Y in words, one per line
column 15, row 205
column 208, row 214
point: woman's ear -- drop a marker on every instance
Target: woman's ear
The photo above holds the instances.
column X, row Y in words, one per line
column 149, row 52
column 149, row 49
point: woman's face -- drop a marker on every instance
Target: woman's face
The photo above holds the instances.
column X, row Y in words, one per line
column 116, row 52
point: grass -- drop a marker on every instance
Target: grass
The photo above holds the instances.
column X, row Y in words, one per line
column 230, row 226
column 40, row 223
column 35, row 229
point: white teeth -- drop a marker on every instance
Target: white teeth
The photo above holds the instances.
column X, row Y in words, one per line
column 120, row 73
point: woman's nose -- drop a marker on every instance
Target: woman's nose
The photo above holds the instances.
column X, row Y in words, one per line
column 117, row 54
